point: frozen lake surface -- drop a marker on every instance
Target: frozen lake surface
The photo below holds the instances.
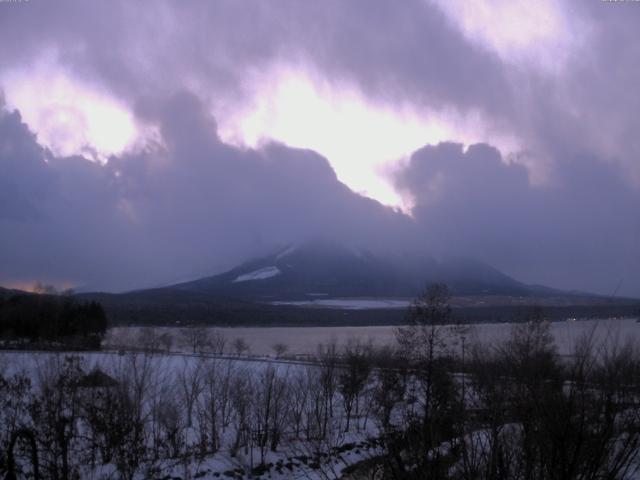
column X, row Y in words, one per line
column 304, row 340
column 350, row 303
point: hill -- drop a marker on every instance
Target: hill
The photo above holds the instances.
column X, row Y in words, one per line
column 330, row 284
column 331, row 270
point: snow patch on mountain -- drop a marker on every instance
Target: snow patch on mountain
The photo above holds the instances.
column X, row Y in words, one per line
column 261, row 274
column 286, row 252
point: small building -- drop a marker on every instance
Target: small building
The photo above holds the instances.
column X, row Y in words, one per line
column 97, row 379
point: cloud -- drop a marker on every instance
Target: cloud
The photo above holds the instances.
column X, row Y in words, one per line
column 223, row 50
column 188, row 205
column 555, row 204
column 419, row 55
column 191, row 205
column 22, row 182
column 582, row 231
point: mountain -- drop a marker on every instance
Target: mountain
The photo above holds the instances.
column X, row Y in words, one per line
column 10, row 292
column 329, row 270
column 320, row 283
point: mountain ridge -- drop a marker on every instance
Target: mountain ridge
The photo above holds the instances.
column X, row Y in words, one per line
column 319, row 283
column 296, row 272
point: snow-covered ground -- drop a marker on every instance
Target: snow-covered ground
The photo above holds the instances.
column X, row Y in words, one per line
column 169, row 380
column 165, row 376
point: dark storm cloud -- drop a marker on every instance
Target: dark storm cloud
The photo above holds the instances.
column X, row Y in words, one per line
column 394, row 54
column 56, row 214
column 583, row 230
column 186, row 207
column 408, row 53
column 22, row 182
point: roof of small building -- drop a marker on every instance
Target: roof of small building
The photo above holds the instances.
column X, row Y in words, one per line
column 97, row 379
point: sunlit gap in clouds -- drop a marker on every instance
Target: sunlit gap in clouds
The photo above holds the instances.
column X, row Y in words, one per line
column 364, row 142
column 69, row 116
column 539, row 34
column 359, row 140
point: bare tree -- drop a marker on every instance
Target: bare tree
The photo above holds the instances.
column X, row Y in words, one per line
column 168, row 415
column 242, row 390
column 166, row 341
column 149, row 339
column 240, row 346
column 420, row 389
column 328, row 382
column 353, row 377
column 190, row 378
column 389, row 390
column 56, row 414
column 299, row 400
column 196, row 338
column 425, row 335
column 216, row 403
column 270, row 408
column 15, row 403
column 129, row 414
column 217, row 341
column 279, row 349
column 10, row 461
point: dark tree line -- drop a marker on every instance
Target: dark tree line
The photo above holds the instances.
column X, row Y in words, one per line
column 50, row 319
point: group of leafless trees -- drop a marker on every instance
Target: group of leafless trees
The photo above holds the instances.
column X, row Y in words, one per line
column 512, row 410
column 435, row 405
column 195, row 339
column 139, row 414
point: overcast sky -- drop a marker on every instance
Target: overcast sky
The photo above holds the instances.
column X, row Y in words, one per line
column 146, row 143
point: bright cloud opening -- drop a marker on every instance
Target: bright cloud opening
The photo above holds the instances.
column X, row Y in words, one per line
column 362, row 141
column 69, row 116
column 519, row 31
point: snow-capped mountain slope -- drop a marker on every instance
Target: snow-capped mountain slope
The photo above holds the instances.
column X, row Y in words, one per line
column 260, row 274
column 334, row 271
